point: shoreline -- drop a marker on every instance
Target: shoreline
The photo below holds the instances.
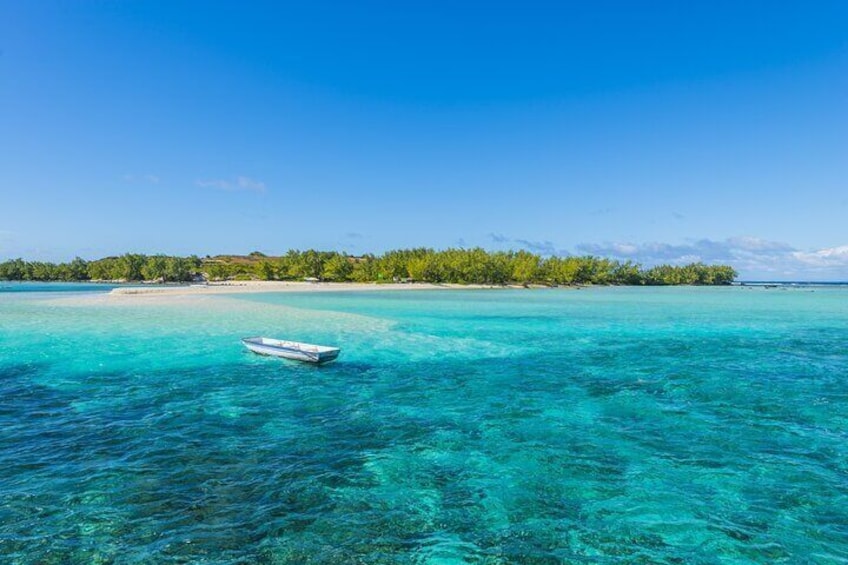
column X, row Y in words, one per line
column 235, row 287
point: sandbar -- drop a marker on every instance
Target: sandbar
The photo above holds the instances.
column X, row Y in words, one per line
column 232, row 287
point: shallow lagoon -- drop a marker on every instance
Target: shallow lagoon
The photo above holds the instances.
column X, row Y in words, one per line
column 606, row 425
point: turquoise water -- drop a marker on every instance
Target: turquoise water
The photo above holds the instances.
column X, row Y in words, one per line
column 16, row 286
column 608, row 425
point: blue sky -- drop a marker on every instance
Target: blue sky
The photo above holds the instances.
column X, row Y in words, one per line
column 653, row 131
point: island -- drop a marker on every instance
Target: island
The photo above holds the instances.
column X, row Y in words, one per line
column 474, row 266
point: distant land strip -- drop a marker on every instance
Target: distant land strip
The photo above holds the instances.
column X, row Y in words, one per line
column 457, row 266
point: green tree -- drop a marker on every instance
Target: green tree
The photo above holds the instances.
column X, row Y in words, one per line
column 525, row 267
column 365, row 269
column 180, row 269
column 561, row 270
column 627, row 273
column 13, row 270
column 216, row 270
column 425, row 267
column 129, row 267
column 77, row 270
column 450, row 265
column 266, row 270
column 337, row 268
column 101, row 269
column 154, row 268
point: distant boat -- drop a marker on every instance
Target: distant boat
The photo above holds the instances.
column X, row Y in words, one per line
column 291, row 349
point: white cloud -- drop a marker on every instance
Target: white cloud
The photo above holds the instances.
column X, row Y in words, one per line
column 828, row 257
column 754, row 258
column 240, row 183
column 247, row 183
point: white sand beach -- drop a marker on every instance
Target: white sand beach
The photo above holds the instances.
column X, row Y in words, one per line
column 231, row 287
column 171, row 295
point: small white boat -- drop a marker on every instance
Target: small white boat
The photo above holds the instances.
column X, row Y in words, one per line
column 291, row 349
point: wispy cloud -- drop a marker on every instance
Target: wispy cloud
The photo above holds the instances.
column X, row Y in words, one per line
column 219, row 184
column 247, row 183
column 353, row 235
column 753, row 257
column 238, row 184
column 540, row 247
column 544, row 247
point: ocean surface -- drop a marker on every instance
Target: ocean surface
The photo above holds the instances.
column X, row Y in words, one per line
column 603, row 425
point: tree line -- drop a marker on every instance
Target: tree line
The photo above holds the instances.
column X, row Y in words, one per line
column 128, row 267
column 463, row 266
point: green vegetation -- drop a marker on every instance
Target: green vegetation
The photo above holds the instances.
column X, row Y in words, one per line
column 464, row 266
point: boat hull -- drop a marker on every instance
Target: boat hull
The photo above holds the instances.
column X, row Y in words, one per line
column 295, row 351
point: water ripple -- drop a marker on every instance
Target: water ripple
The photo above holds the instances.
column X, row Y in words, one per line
column 603, row 426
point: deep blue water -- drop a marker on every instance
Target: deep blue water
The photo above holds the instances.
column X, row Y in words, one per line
column 607, row 425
